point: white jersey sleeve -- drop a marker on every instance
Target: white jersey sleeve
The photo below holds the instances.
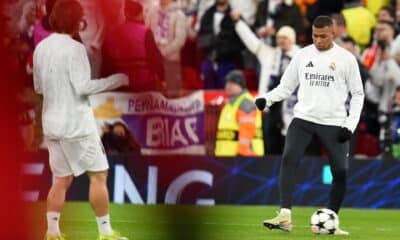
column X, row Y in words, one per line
column 287, row 85
column 79, row 68
column 354, row 84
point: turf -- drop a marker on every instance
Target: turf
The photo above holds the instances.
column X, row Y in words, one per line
column 169, row 222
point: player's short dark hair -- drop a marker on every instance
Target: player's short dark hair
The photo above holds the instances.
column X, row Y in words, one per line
column 66, row 16
column 339, row 19
column 323, row 21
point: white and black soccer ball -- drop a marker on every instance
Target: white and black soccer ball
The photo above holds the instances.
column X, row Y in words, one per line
column 324, row 221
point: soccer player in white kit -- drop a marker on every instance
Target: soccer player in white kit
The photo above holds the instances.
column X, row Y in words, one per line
column 62, row 76
column 325, row 74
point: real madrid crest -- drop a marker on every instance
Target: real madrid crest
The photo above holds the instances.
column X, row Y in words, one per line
column 332, row 66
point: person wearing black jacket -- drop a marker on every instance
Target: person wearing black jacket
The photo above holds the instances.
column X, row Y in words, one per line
column 220, row 44
column 271, row 18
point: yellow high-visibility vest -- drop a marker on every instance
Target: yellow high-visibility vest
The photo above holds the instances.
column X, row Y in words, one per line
column 228, row 130
column 375, row 5
column 359, row 30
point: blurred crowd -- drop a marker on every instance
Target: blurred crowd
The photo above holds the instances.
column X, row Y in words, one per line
column 176, row 46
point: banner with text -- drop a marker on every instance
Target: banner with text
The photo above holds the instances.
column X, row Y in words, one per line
column 160, row 125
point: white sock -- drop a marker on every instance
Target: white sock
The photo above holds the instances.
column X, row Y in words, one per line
column 286, row 211
column 53, row 219
column 104, row 225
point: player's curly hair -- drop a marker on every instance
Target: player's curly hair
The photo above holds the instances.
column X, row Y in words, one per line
column 66, row 16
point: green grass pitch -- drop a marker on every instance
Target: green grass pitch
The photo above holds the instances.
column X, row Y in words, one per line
column 170, row 222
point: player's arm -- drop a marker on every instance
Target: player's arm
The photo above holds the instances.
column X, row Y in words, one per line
column 79, row 71
column 286, row 87
column 356, row 89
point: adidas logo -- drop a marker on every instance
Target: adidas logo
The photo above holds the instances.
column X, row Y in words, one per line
column 310, row 64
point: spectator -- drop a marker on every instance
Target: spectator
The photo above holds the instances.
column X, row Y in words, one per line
column 99, row 16
column 27, row 21
column 385, row 77
column 168, row 24
column 203, row 6
column 219, row 42
column 130, row 48
column 247, row 8
column 308, row 9
column 385, row 73
column 273, row 63
column 42, row 28
column 239, row 124
column 350, row 45
column 339, row 27
column 118, row 139
column 396, row 6
column 92, row 34
column 387, row 13
column 273, row 14
column 26, row 25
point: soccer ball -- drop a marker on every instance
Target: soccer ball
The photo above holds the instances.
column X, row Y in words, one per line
column 324, row 221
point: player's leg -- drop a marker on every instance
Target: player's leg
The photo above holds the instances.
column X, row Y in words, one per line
column 338, row 159
column 297, row 139
column 55, row 203
column 56, row 197
column 99, row 201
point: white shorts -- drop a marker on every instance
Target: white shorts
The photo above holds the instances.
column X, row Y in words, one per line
column 77, row 156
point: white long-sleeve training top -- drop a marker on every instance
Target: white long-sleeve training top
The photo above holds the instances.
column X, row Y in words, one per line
column 62, row 76
column 325, row 79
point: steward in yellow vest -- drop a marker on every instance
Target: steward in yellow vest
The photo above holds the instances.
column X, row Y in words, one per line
column 239, row 127
column 359, row 22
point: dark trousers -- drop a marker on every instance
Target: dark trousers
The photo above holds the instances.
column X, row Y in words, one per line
column 298, row 137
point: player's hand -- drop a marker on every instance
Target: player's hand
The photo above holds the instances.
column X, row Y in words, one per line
column 123, row 78
column 344, row 135
column 261, row 103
